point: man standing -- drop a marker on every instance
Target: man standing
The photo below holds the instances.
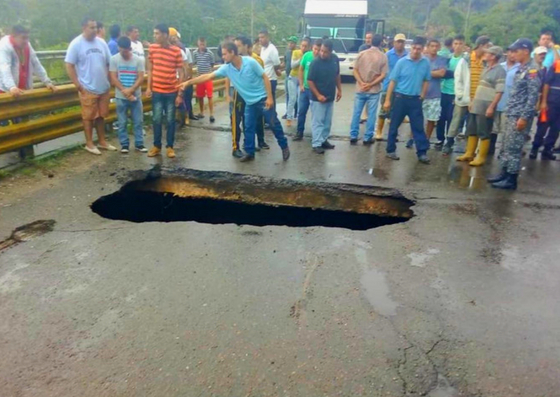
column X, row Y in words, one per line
column 370, row 69
column 269, row 55
column 549, row 123
column 101, row 30
column 204, row 60
column 500, row 119
column 304, row 92
column 87, row 65
column 547, row 40
column 252, row 83
column 325, row 85
column 520, row 113
column 133, row 34
column 448, row 89
column 127, row 75
column 293, row 80
column 368, row 42
column 467, row 77
column 483, row 108
column 393, row 56
column 409, row 82
column 432, row 103
column 186, row 107
column 19, row 63
column 115, row 33
column 165, row 70
column 447, row 49
column 292, row 42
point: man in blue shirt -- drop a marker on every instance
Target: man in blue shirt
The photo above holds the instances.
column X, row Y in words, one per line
column 393, row 56
column 115, row 33
column 409, row 82
column 252, row 83
column 547, row 40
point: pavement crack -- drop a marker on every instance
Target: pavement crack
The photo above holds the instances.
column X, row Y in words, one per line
column 298, row 309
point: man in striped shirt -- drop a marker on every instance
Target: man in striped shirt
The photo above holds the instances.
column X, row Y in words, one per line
column 165, row 71
column 204, row 60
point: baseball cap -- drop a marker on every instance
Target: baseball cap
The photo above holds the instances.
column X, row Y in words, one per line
column 522, row 44
column 293, row 39
column 399, row 37
column 482, row 40
column 541, row 50
column 174, row 32
column 495, row 50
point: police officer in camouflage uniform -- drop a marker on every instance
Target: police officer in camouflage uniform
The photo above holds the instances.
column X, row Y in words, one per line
column 520, row 112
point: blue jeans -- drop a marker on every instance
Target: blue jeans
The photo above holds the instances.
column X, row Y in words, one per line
column 412, row 107
column 303, row 106
column 253, row 116
column 362, row 99
column 446, row 116
column 135, row 107
column 321, row 118
column 164, row 103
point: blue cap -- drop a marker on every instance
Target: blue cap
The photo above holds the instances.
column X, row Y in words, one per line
column 522, row 44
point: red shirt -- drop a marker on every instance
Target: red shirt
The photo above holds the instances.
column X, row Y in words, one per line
column 165, row 62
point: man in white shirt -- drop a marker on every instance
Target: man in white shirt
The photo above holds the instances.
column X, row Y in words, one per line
column 269, row 55
column 133, row 34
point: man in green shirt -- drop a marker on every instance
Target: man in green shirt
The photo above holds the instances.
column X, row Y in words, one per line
column 305, row 93
column 448, row 90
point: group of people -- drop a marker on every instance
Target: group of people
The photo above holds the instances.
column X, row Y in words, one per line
column 483, row 94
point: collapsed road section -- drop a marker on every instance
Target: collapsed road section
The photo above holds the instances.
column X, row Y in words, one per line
column 223, row 197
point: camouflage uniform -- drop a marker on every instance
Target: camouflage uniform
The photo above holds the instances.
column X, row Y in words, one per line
column 521, row 104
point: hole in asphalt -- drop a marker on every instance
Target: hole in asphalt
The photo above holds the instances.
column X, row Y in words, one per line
column 222, row 198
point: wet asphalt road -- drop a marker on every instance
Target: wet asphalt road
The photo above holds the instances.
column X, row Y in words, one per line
column 460, row 301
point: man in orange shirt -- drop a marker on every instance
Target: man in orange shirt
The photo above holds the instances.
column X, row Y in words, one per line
column 165, row 71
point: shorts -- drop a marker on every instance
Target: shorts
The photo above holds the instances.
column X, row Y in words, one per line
column 205, row 89
column 500, row 121
column 479, row 126
column 94, row 106
column 432, row 109
column 382, row 113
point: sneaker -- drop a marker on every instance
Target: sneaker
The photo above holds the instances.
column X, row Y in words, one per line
column 125, row 150
column 368, row 142
column 108, row 147
column 392, row 156
column 93, row 150
column 285, row 153
column 319, row 150
column 264, row 145
column 142, row 149
column 247, row 157
column 170, row 153
column 212, row 119
column 200, row 116
column 353, row 141
column 327, row 145
column 424, row 159
column 298, row 137
column 410, row 143
column 153, row 152
column 446, row 150
column 237, row 153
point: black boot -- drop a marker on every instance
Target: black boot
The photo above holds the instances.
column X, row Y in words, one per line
column 534, row 153
column 547, row 155
column 497, row 178
column 509, row 183
column 493, row 139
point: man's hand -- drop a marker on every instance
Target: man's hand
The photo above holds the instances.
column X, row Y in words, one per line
column 490, row 112
column 364, row 87
column 301, row 88
column 51, row 87
column 184, row 85
column 127, row 92
column 131, row 98
column 148, row 93
column 269, row 104
column 521, row 124
column 322, row 98
column 178, row 100
column 338, row 95
column 387, row 105
column 15, row 92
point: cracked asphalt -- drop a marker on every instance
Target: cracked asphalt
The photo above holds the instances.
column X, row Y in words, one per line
column 462, row 300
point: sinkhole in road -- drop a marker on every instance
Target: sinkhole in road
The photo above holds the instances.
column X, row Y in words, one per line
column 226, row 198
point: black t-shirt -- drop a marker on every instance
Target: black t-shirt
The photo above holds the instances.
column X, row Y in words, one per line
column 323, row 73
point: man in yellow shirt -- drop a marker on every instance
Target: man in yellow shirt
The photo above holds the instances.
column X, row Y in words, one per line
column 292, row 80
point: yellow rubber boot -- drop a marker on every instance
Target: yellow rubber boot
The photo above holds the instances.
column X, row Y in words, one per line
column 471, row 148
column 483, row 149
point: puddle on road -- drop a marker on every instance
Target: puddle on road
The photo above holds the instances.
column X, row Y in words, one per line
column 28, row 232
column 377, row 292
column 222, row 198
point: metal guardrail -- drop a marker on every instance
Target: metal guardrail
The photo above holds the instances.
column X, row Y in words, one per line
column 44, row 115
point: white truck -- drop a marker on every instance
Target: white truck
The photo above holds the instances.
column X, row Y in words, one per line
column 345, row 22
